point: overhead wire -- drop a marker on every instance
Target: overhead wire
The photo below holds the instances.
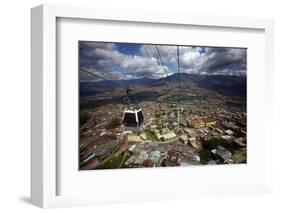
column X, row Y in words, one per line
column 148, row 54
column 100, row 77
column 161, row 60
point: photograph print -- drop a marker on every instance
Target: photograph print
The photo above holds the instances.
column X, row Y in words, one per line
column 157, row 105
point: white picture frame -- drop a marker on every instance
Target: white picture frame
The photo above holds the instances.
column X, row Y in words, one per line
column 44, row 169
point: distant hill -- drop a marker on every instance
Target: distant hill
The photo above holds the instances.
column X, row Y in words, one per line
column 223, row 84
column 226, row 85
column 93, row 87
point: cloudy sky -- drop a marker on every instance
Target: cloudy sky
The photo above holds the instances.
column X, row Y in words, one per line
column 114, row 61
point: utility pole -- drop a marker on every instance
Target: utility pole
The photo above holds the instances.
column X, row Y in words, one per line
column 179, row 84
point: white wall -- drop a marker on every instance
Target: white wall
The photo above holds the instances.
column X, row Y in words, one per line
column 15, row 98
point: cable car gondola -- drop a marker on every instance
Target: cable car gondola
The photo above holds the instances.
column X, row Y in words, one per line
column 133, row 117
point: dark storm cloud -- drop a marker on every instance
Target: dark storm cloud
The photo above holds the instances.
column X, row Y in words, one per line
column 219, row 59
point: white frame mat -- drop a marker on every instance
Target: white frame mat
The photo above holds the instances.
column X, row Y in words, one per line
column 44, row 154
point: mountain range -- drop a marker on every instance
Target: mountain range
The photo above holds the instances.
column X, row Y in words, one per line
column 223, row 84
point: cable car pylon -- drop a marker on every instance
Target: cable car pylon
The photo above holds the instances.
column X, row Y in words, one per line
column 132, row 116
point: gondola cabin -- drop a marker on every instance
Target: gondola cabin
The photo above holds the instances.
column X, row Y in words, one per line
column 133, row 117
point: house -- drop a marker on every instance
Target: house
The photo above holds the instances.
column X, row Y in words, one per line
column 131, row 149
column 134, row 138
column 209, row 121
column 190, row 132
column 173, row 156
column 240, row 142
column 143, row 136
column 166, row 136
column 183, row 139
column 147, row 163
column 131, row 160
column 183, row 122
column 91, row 164
column 229, row 132
column 154, row 156
column 195, row 144
column 142, row 157
column 226, row 137
column 197, row 123
column 219, row 131
column 223, row 154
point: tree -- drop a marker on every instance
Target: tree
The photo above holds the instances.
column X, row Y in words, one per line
column 205, row 156
column 84, row 118
column 114, row 123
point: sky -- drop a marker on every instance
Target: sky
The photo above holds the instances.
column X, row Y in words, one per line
column 116, row 61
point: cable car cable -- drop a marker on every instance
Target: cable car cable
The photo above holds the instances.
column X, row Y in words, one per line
column 161, row 60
